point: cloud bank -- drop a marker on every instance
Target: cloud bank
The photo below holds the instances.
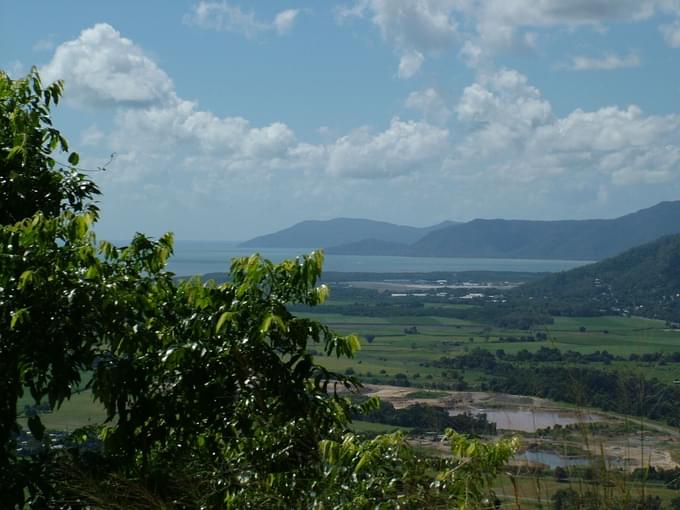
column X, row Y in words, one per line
column 480, row 29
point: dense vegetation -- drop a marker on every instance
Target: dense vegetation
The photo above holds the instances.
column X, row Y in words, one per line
column 371, row 303
column 609, row 390
column 641, row 281
column 427, row 418
column 217, row 395
column 213, row 398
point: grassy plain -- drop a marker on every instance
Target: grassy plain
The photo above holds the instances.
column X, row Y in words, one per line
column 532, row 492
column 392, row 351
column 400, row 350
column 372, row 428
column 80, row 410
column 393, row 355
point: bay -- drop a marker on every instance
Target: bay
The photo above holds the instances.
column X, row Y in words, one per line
column 201, row 257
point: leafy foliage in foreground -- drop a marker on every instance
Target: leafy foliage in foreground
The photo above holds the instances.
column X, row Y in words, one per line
column 385, row 472
column 213, row 399
column 31, row 178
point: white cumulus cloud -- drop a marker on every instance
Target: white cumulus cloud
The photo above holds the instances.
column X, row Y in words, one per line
column 409, row 64
column 403, row 148
column 284, row 21
column 500, row 138
column 478, row 29
column 608, row 62
column 102, row 68
column 671, row 34
column 498, row 21
column 414, row 28
column 154, row 128
column 423, row 25
column 514, row 135
column 226, row 17
column 430, row 104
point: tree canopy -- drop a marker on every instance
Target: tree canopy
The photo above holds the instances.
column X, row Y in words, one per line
column 212, row 397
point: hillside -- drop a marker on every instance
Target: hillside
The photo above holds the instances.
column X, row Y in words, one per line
column 643, row 281
column 564, row 239
column 324, row 234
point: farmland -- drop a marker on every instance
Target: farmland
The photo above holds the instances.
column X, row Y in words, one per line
column 401, row 361
column 406, row 359
column 392, row 351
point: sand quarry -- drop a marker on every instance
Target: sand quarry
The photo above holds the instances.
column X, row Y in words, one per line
column 650, row 444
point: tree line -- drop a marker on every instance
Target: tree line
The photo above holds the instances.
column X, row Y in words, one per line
column 609, row 390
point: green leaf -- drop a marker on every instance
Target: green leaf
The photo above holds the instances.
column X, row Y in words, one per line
column 470, row 451
column 18, row 317
column 15, row 150
column 25, row 278
column 365, row 458
column 266, row 323
column 322, row 293
column 73, row 158
column 107, row 249
column 92, row 272
column 226, row 316
column 354, row 343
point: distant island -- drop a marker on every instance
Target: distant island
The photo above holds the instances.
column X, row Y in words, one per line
column 482, row 238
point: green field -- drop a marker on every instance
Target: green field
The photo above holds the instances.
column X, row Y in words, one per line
column 395, row 356
column 371, row 428
column 531, row 492
column 79, row 411
column 392, row 351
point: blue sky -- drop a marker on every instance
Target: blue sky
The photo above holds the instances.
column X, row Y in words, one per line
column 230, row 119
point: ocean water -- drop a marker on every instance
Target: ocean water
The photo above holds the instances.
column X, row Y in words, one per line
column 200, row 257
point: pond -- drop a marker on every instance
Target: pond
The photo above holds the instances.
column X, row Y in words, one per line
column 552, row 460
column 530, row 420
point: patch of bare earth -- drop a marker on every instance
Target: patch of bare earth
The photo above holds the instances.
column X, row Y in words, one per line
column 627, row 450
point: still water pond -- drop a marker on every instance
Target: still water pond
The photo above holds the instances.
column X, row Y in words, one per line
column 529, row 420
column 552, row 460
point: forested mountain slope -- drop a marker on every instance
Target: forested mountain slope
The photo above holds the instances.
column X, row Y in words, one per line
column 644, row 280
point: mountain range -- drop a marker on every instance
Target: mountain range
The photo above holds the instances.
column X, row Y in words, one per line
column 492, row 238
column 340, row 231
